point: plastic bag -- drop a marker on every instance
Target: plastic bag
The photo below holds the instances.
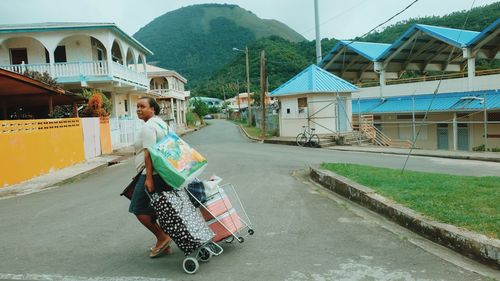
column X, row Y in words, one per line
column 175, row 161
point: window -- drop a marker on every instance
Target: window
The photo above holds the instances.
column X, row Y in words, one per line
column 18, row 56
column 60, row 54
column 494, row 116
column 125, row 103
column 409, row 116
column 100, row 54
column 302, row 105
column 288, row 111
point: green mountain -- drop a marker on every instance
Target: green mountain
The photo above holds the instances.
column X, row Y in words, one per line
column 197, row 40
column 285, row 59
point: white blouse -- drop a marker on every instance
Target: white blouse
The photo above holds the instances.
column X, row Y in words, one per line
column 152, row 132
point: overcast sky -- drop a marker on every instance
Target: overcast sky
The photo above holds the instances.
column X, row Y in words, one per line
column 338, row 18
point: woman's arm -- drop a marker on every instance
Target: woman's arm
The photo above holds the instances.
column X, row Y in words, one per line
column 149, row 183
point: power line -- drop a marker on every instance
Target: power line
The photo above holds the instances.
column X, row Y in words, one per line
column 397, row 14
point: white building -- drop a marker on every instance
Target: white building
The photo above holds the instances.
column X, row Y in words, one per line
column 167, row 87
column 80, row 55
column 316, row 99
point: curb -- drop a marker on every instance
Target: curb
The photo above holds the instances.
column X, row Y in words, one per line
column 248, row 136
column 470, row 244
column 415, row 153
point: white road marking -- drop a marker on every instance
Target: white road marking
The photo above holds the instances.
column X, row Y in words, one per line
column 48, row 277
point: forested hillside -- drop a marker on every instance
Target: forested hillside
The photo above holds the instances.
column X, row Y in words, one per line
column 197, row 40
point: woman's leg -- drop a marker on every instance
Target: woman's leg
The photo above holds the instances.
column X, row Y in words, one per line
column 149, row 223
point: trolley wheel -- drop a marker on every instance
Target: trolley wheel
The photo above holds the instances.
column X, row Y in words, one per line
column 241, row 239
column 301, row 139
column 204, row 255
column 251, row 232
column 230, row 239
column 190, row 265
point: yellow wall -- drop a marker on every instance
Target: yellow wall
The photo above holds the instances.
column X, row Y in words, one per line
column 30, row 148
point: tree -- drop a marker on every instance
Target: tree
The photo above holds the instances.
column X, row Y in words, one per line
column 96, row 106
column 199, row 107
column 42, row 77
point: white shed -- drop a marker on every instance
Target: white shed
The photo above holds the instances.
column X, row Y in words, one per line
column 317, row 99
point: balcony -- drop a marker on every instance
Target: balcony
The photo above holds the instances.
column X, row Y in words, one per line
column 86, row 72
column 168, row 93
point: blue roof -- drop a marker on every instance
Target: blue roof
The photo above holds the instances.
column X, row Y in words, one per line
column 313, row 80
column 370, row 51
column 455, row 37
column 459, row 101
column 485, row 32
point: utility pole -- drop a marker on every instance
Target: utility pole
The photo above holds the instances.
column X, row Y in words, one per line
column 318, row 37
column 248, row 89
column 263, row 92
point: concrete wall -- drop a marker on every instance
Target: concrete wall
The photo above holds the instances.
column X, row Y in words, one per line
column 30, row 148
column 323, row 111
column 403, row 129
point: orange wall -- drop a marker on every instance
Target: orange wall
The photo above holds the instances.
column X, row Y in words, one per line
column 105, row 134
column 30, row 148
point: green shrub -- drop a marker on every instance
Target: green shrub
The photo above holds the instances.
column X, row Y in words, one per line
column 192, row 119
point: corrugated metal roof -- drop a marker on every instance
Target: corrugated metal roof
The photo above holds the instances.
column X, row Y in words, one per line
column 461, row 101
column 458, row 37
column 367, row 49
column 455, row 37
column 488, row 30
column 314, row 80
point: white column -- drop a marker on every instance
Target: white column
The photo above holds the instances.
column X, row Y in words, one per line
column 178, row 117
column 471, row 67
column 455, row 132
column 172, row 108
column 379, row 68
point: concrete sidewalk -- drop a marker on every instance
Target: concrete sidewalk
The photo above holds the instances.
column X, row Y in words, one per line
column 468, row 155
column 52, row 179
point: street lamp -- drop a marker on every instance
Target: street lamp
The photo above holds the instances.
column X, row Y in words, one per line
column 248, row 84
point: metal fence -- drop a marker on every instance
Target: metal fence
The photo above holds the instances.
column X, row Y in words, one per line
column 124, row 131
column 272, row 121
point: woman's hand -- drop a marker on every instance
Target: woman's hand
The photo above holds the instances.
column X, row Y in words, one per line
column 149, row 184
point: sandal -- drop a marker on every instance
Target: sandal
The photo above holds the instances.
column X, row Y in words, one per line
column 157, row 251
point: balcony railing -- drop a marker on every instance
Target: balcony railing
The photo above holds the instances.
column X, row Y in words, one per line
column 428, row 78
column 89, row 70
column 168, row 93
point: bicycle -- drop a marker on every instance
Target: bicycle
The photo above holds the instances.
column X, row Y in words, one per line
column 307, row 138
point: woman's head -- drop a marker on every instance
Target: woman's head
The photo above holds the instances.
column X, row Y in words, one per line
column 147, row 107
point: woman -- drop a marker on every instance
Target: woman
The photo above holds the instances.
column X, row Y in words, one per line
column 151, row 133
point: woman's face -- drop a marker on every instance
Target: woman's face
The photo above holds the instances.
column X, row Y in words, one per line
column 144, row 111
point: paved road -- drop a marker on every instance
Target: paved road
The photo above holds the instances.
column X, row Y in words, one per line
column 83, row 230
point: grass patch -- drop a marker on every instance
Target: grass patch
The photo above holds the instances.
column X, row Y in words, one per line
column 252, row 131
column 464, row 201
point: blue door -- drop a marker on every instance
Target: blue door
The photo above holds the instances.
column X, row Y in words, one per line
column 463, row 137
column 442, row 136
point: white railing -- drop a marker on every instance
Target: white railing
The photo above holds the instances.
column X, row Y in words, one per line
column 124, row 73
column 84, row 68
column 168, row 93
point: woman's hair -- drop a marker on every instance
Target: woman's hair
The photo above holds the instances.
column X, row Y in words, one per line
column 152, row 103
